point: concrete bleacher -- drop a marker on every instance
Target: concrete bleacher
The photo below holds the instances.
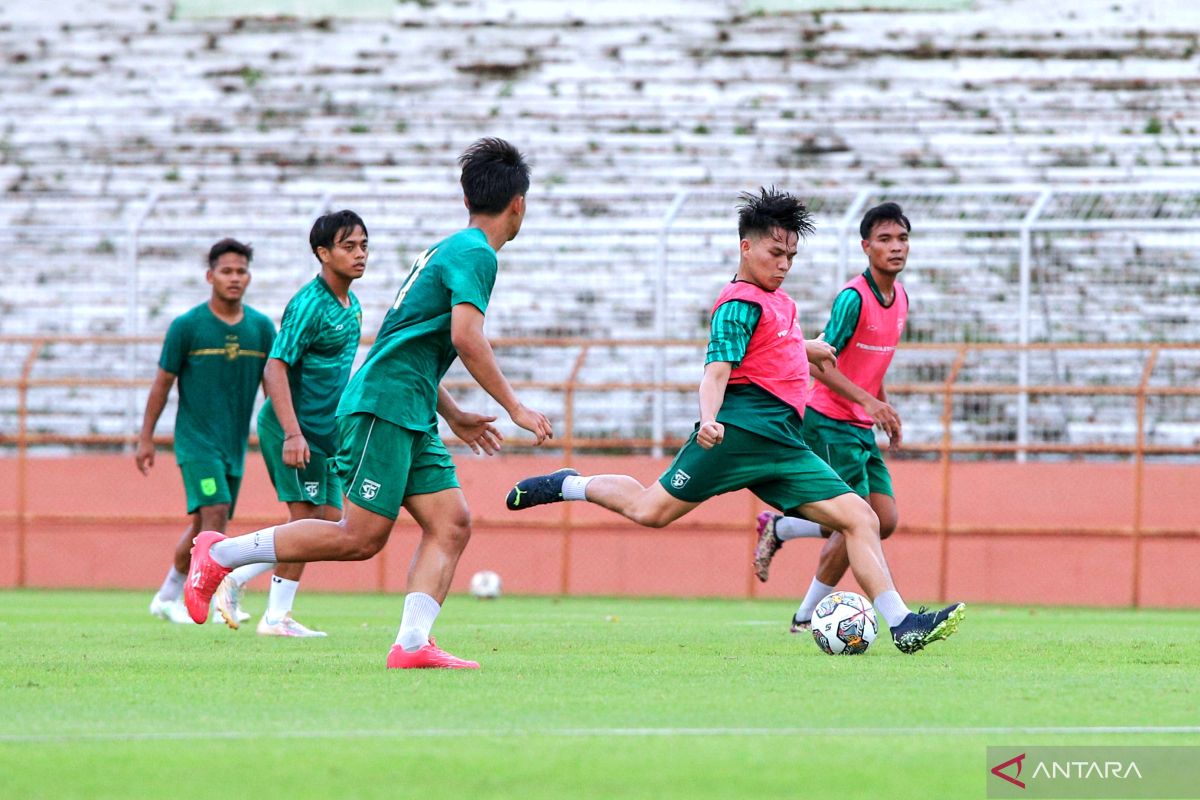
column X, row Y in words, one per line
column 241, row 126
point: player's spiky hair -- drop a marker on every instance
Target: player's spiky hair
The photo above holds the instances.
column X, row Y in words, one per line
column 771, row 208
column 331, row 228
column 229, row 246
column 884, row 212
column 493, row 173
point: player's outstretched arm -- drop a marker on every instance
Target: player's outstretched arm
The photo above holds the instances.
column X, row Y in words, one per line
column 275, row 381
column 712, row 396
column 476, row 430
column 466, row 334
column 155, row 403
column 884, row 415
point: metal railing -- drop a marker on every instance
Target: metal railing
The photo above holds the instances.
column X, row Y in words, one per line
column 946, row 448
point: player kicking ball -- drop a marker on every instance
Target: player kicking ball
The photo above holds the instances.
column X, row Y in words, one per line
column 390, row 454
column 750, row 435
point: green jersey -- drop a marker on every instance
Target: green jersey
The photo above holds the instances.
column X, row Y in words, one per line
column 219, row 367
column 746, row 405
column 317, row 339
column 399, row 380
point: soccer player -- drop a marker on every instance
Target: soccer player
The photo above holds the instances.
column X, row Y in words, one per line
column 307, row 370
column 752, row 400
column 390, row 454
column 217, row 351
column 848, row 399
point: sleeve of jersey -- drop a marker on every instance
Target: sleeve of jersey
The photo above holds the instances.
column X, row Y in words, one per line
column 843, row 319
column 733, row 324
column 296, row 332
column 471, row 277
column 174, row 349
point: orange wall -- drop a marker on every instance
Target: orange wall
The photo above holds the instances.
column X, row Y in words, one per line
column 706, row 553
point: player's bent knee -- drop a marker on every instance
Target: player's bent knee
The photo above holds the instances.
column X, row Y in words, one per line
column 886, row 529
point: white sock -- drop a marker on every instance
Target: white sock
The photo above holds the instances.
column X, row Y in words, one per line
column 244, row 575
column 575, row 487
column 253, row 548
column 816, row 593
column 788, row 528
column 172, row 588
column 420, row 610
column 892, row 607
column 279, row 602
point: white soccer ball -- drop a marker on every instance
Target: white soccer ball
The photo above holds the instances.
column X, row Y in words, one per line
column 844, row 623
column 485, row 585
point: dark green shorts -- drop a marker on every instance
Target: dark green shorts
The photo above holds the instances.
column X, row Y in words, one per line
column 317, row 483
column 208, row 483
column 784, row 476
column 851, row 451
column 381, row 463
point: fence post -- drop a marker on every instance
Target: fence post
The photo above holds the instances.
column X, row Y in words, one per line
column 660, row 321
column 1139, row 469
column 947, row 437
column 564, row 580
column 132, row 313
column 1025, row 278
column 35, row 350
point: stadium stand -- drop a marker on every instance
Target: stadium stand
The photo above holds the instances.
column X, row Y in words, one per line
column 120, row 116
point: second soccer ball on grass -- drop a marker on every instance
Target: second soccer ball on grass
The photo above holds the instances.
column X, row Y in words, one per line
column 485, row 585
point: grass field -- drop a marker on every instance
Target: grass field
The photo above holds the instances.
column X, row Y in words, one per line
column 577, row 698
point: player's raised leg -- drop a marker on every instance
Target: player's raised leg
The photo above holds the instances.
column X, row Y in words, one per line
column 650, row 506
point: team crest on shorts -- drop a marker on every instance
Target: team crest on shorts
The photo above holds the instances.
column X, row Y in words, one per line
column 369, row 489
column 679, row 479
column 312, row 487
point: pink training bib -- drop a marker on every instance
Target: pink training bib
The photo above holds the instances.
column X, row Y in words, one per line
column 866, row 357
column 775, row 359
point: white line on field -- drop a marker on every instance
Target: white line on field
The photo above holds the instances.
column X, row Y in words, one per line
column 417, row 733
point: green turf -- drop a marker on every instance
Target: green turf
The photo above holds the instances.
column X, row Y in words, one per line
column 578, row 698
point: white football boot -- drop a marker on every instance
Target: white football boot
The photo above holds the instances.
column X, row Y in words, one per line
column 170, row 611
column 286, row 627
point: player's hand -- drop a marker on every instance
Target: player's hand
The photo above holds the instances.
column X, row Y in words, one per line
column 710, row 435
column 887, row 419
column 533, row 421
column 295, row 452
column 144, row 457
column 820, row 352
column 477, row 431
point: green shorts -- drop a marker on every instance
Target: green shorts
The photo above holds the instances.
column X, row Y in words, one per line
column 209, row 483
column 851, row 451
column 317, row 483
column 381, row 463
column 784, row 476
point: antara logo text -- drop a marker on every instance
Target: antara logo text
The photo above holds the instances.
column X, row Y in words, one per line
column 1066, row 770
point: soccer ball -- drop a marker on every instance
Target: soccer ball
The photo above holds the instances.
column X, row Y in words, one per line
column 485, row 585
column 844, row 624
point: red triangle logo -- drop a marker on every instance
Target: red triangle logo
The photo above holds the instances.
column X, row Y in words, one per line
column 997, row 770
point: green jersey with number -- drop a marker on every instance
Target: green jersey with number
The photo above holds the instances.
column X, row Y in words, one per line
column 219, row 367
column 317, row 339
column 399, row 380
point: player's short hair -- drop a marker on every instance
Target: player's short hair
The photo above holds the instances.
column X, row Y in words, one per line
column 884, row 212
column 229, row 246
column 759, row 214
column 493, row 173
column 331, row 228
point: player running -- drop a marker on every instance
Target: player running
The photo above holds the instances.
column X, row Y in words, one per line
column 308, row 368
column 390, row 454
column 865, row 326
column 752, row 400
column 217, row 351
